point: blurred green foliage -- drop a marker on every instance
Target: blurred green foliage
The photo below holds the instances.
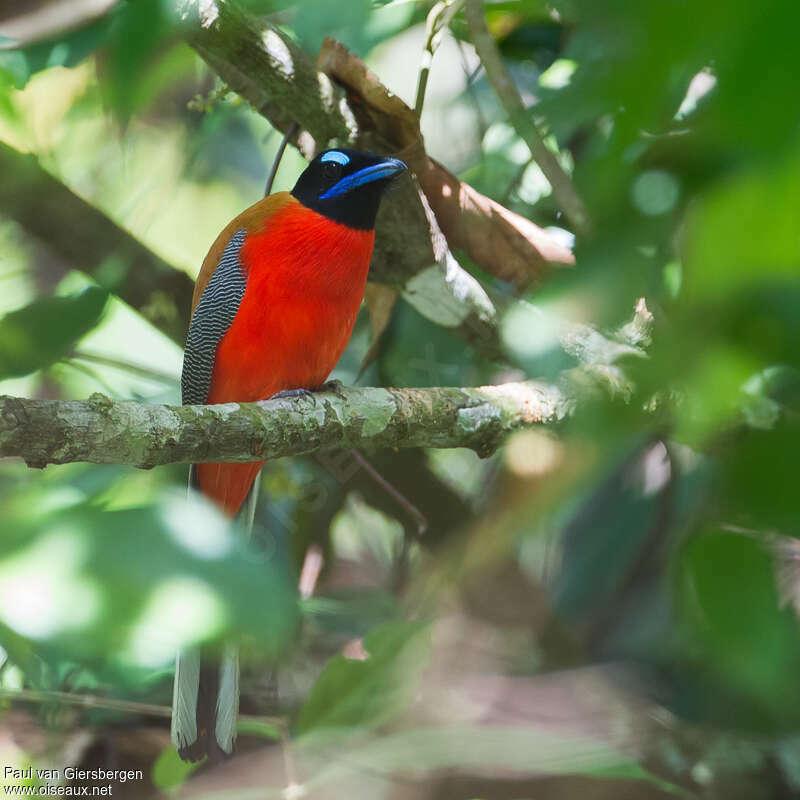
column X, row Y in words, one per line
column 648, row 532
column 45, row 331
column 352, row 693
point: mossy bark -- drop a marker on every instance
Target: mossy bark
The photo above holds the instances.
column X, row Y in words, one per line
column 104, row 431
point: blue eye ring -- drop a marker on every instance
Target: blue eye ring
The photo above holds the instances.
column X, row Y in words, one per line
column 336, row 156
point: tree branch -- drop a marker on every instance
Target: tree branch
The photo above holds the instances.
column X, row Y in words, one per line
column 103, row 431
column 509, row 96
column 89, row 240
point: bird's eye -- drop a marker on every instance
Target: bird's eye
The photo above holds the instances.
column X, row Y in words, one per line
column 331, row 170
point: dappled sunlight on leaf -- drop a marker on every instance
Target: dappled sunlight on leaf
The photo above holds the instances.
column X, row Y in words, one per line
column 198, row 526
column 180, row 611
column 42, row 590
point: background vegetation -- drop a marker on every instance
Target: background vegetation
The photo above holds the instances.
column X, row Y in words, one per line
column 603, row 608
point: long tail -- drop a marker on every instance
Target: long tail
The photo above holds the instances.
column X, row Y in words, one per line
column 205, row 695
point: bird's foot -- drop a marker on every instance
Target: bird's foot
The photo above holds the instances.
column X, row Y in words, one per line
column 292, row 393
column 331, row 386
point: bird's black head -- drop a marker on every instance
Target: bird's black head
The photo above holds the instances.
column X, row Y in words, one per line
column 346, row 185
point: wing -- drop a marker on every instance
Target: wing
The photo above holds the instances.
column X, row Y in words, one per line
column 212, row 317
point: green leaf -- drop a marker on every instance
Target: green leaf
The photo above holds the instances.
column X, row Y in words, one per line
column 65, row 50
column 632, row 771
column 139, row 582
column 22, row 654
column 746, row 644
column 169, row 771
column 745, row 231
column 46, row 330
column 137, row 38
column 751, row 484
column 524, row 749
column 255, row 727
column 14, row 68
column 352, row 693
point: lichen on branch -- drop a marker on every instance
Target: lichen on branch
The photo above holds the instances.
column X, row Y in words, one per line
column 104, row 431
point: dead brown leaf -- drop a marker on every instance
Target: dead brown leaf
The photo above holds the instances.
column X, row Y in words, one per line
column 499, row 240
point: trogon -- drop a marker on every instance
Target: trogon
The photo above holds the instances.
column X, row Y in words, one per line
column 273, row 309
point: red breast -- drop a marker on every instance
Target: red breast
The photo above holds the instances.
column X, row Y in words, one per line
column 305, row 280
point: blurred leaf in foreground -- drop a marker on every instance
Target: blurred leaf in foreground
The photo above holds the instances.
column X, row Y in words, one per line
column 742, row 642
column 368, row 692
column 46, row 330
column 723, row 253
column 65, row 49
column 481, row 749
column 121, row 590
column 169, row 772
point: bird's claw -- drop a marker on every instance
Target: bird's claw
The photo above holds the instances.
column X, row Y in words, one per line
column 335, row 386
column 293, row 393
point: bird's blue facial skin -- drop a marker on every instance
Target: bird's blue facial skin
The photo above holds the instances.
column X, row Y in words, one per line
column 346, row 185
column 335, row 156
column 376, row 172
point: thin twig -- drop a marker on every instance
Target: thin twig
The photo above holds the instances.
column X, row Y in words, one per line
column 505, row 89
column 276, row 162
column 111, row 704
column 85, row 701
column 85, row 369
column 127, row 366
column 470, row 76
column 410, row 508
column 400, row 566
column 309, row 574
column 292, row 786
column 438, row 21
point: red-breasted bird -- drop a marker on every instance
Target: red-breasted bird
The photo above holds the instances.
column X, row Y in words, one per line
column 273, row 309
